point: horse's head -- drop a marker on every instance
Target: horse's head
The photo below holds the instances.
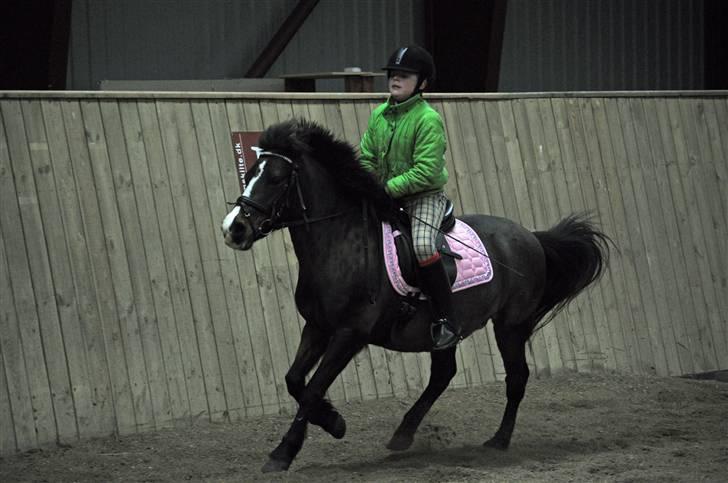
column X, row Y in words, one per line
column 269, row 186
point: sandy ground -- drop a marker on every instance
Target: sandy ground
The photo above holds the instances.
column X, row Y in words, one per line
column 598, row 427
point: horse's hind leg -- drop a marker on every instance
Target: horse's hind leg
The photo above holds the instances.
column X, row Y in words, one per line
column 443, row 370
column 512, row 345
column 312, row 346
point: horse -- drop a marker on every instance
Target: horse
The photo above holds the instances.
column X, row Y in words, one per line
column 310, row 182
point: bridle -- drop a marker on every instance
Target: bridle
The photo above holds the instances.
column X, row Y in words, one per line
column 273, row 213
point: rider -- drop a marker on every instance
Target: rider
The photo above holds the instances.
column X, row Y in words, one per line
column 404, row 146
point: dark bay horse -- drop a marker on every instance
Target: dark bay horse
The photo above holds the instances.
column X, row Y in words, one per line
column 311, row 183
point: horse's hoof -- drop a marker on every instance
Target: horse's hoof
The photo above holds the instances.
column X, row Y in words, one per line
column 496, row 443
column 400, row 443
column 275, row 465
column 337, row 428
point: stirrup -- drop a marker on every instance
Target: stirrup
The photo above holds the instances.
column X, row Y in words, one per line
column 444, row 336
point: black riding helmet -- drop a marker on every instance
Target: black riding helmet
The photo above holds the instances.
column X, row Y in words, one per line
column 413, row 58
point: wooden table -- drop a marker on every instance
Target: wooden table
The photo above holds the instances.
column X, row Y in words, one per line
column 353, row 81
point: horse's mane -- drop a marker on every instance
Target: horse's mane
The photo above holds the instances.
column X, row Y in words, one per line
column 339, row 158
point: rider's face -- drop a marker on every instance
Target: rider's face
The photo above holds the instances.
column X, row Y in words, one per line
column 402, row 84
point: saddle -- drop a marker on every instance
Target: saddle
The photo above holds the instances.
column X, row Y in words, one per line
column 463, row 254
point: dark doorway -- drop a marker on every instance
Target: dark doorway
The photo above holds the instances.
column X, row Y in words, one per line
column 465, row 38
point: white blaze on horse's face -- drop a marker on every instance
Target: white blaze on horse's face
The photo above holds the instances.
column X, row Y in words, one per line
column 249, row 188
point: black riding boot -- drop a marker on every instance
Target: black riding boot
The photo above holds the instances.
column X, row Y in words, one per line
column 436, row 285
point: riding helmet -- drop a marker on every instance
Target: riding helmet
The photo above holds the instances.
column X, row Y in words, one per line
column 413, row 58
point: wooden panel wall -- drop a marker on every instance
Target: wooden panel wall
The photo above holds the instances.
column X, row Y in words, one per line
column 121, row 310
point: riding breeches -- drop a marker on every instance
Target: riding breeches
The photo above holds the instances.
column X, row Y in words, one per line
column 426, row 213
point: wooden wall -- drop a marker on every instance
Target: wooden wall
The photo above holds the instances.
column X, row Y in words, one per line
column 121, row 310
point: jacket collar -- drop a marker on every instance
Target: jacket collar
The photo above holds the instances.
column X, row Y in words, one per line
column 403, row 107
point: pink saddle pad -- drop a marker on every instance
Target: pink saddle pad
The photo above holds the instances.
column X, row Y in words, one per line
column 473, row 269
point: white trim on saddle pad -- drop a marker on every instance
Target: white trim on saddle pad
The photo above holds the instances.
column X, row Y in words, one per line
column 474, row 268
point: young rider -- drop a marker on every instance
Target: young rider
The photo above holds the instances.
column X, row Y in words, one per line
column 404, row 146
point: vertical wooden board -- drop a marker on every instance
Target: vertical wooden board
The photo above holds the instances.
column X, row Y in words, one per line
column 75, row 294
column 132, row 285
column 680, row 307
column 707, row 250
column 674, row 136
column 627, row 239
column 93, row 282
column 555, row 187
column 48, row 241
column 11, row 343
column 260, row 347
column 206, row 174
column 538, row 168
column 266, row 278
column 520, row 155
column 145, row 153
column 179, row 292
column 604, row 309
column 7, row 435
column 618, row 291
column 115, row 184
column 107, row 258
column 175, row 124
column 198, row 153
column 580, row 310
column 451, row 188
column 643, row 242
column 585, row 199
column 685, row 266
column 714, row 221
column 221, row 179
column 500, row 141
column 661, row 270
column 487, row 190
column 27, row 258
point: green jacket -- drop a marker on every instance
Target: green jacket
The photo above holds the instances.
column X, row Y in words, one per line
column 404, row 146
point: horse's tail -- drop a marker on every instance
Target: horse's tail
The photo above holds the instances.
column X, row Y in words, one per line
column 576, row 255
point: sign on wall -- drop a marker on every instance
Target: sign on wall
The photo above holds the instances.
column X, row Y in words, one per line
column 245, row 156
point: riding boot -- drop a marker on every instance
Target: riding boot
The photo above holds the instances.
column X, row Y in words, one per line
column 436, row 285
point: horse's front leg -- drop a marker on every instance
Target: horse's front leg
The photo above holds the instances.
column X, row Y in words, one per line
column 443, row 369
column 342, row 347
column 312, row 346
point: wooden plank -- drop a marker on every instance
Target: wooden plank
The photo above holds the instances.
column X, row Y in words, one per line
column 165, row 369
column 538, row 168
column 135, row 385
column 643, row 242
column 487, row 190
column 178, row 334
column 514, row 129
column 714, row 221
column 203, row 174
column 583, row 199
column 176, row 125
column 46, row 239
column 7, row 435
column 679, row 306
column 221, row 179
column 74, row 292
column 698, row 184
column 626, row 237
column 267, row 275
column 26, row 258
column 253, row 329
column 19, row 416
column 608, row 201
column 620, row 290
